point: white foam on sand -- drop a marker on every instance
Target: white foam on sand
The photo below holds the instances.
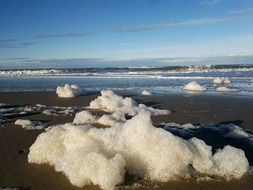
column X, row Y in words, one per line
column 84, row 117
column 39, row 106
column 112, row 119
column 227, row 130
column 102, row 155
column 234, row 131
column 50, row 112
column 59, row 110
column 117, row 106
column 194, row 86
column 111, row 102
column 221, row 80
column 30, row 125
column 68, row 91
column 146, row 93
column 184, row 126
column 226, row 89
column 238, row 132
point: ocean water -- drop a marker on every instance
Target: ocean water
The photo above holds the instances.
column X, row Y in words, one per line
column 157, row 80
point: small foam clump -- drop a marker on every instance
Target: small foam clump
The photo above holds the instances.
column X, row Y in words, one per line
column 146, row 93
column 111, row 102
column 184, row 126
column 194, row 86
column 221, row 80
column 50, row 112
column 28, row 124
column 39, row 106
column 68, row 91
column 59, row 110
column 226, row 89
column 112, row 119
column 235, row 131
column 84, row 117
column 238, row 132
column 102, row 155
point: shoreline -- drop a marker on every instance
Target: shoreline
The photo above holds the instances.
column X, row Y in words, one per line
column 195, row 109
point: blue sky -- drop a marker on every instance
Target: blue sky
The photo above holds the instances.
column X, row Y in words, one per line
column 112, row 32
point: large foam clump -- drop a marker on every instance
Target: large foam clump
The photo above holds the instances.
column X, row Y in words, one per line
column 81, row 157
column 68, row 91
column 102, row 155
column 117, row 106
column 194, row 86
column 111, row 102
column 221, row 80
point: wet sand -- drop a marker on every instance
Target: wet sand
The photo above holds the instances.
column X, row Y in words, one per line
column 196, row 109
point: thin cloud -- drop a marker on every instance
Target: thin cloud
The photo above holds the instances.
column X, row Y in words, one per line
column 14, row 43
column 64, row 35
column 210, row 2
column 8, row 40
column 242, row 11
column 28, row 43
column 194, row 22
column 14, row 58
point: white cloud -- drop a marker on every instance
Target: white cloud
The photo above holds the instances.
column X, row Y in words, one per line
column 242, row 11
column 192, row 22
column 210, row 2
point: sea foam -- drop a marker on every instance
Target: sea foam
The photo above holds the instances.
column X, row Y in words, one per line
column 226, row 89
column 30, row 125
column 117, row 106
column 102, row 156
column 146, row 93
column 111, row 102
column 194, row 86
column 68, row 91
column 221, row 80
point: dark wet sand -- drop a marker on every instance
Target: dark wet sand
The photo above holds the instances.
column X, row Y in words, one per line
column 196, row 109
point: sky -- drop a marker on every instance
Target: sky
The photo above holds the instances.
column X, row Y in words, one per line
column 94, row 33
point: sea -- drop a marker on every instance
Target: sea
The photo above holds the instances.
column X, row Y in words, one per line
column 156, row 80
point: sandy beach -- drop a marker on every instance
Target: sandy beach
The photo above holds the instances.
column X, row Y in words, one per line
column 196, row 109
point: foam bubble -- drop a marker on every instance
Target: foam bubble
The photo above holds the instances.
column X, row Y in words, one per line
column 50, row 112
column 226, row 89
column 112, row 119
column 194, row 86
column 146, row 93
column 28, row 124
column 111, row 102
column 68, row 91
column 99, row 155
column 82, row 158
column 184, row 126
column 221, row 80
column 40, row 106
column 84, row 117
